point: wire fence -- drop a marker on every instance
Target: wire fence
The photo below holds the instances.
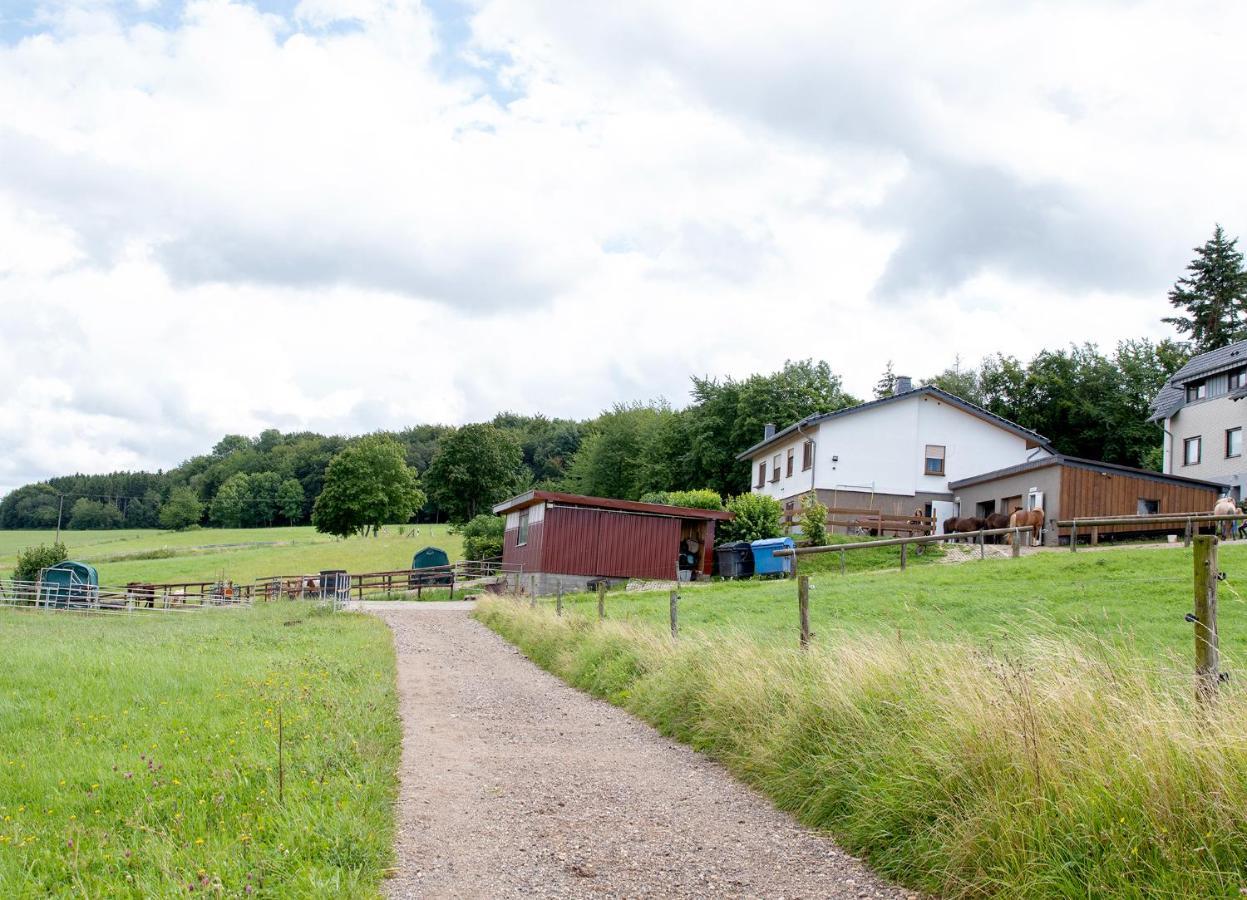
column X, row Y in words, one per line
column 134, row 598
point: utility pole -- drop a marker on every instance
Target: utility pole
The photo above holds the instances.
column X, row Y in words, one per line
column 60, row 508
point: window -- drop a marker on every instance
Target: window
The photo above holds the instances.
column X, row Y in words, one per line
column 775, row 467
column 761, row 474
column 1148, row 507
column 807, row 455
column 1233, row 442
column 792, row 456
column 1238, row 379
column 1191, row 451
column 1197, row 391
column 935, row 460
column 522, row 538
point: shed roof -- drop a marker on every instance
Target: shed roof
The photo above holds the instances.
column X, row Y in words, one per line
column 1079, row 463
column 927, row 389
column 532, row 498
column 1172, row 396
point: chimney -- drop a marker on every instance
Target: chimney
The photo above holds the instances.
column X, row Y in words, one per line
column 768, row 431
column 903, row 383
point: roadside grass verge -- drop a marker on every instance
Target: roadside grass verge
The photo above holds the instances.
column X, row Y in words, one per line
column 1045, row 769
column 139, row 754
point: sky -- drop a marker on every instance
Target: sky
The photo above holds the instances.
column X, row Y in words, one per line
column 350, row 215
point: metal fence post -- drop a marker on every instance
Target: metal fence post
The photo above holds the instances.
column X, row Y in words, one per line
column 1207, row 644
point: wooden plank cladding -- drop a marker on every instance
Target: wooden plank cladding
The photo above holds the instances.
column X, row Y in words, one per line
column 1086, row 492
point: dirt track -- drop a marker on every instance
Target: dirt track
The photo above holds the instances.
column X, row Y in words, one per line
column 514, row 784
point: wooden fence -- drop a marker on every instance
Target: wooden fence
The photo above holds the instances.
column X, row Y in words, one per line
column 870, row 521
column 1190, row 522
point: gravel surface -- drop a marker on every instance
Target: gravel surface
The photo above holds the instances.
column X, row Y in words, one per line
column 514, row 784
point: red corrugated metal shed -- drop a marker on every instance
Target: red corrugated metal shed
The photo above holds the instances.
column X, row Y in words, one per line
column 596, row 536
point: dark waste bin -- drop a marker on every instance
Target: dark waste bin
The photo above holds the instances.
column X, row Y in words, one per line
column 735, row 559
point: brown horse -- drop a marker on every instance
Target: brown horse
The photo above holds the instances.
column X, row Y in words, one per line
column 1027, row 518
column 962, row 525
column 996, row 520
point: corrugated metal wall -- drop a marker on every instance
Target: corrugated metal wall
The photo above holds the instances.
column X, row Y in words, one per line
column 529, row 556
column 611, row 544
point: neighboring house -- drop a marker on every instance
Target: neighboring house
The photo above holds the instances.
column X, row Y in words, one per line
column 566, row 540
column 1203, row 421
column 1067, row 487
column 896, row 455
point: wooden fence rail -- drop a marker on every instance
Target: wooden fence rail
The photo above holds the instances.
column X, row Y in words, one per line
column 1190, row 521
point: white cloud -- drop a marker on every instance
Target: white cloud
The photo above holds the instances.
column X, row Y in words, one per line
column 215, row 217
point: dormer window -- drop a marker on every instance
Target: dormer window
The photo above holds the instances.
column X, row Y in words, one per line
column 1196, row 391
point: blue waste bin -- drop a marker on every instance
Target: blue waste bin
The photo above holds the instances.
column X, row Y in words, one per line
column 765, row 562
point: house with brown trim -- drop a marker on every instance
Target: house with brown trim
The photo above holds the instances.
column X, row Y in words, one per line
column 897, row 454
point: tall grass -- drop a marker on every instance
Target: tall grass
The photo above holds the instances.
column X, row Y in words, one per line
column 1052, row 771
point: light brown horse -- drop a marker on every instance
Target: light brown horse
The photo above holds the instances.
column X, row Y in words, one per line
column 1027, row 518
column 1225, row 507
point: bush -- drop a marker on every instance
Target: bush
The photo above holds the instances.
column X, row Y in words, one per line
column 33, row 560
column 814, row 521
column 482, row 537
column 703, row 498
column 757, row 517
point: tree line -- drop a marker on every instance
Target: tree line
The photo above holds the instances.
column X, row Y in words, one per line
column 1087, row 401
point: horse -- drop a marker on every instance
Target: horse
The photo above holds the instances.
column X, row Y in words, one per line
column 996, row 520
column 1024, row 518
column 962, row 525
column 1225, row 507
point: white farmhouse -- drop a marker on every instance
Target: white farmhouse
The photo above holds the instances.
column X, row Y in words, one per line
column 895, row 455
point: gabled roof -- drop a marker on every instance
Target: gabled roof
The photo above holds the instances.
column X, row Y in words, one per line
column 1172, row 396
column 532, row 498
column 929, row 390
column 1080, row 463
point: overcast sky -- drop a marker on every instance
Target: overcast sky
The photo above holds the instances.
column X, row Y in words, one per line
column 347, row 215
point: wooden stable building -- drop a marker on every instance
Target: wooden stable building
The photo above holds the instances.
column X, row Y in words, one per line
column 572, row 540
column 1066, row 487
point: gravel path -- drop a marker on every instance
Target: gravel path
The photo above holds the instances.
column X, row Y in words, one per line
column 514, row 784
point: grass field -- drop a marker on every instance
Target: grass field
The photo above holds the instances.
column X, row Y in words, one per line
column 1017, row 728
column 243, row 554
column 139, row 755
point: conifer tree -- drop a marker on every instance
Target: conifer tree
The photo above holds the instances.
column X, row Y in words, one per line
column 1213, row 297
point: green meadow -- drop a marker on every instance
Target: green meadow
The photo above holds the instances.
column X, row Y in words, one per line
column 242, row 554
column 139, row 755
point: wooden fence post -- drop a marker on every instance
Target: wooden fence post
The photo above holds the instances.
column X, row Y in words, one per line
column 1095, row 535
column 601, row 600
column 1207, row 644
column 1186, row 536
column 904, row 555
column 1017, row 543
column 558, row 600
column 841, row 562
column 982, row 545
column 532, row 591
column 1073, row 538
column 675, row 622
column 803, row 609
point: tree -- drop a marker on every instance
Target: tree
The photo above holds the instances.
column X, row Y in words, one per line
column 367, row 485
column 482, row 537
column 617, row 458
column 757, row 517
column 473, row 468
column 230, row 503
column 959, row 382
column 1213, row 298
column 181, row 510
column 87, row 515
column 886, row 385
column 698, row 499
column 290, row 500
column 33, row 560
